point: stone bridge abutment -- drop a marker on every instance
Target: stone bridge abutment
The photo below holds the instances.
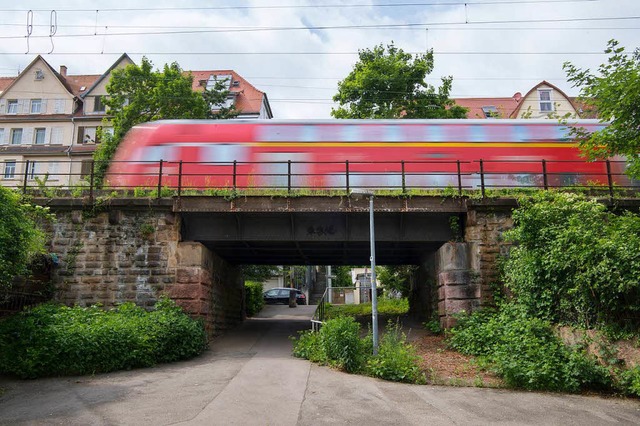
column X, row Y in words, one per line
column 132, row 250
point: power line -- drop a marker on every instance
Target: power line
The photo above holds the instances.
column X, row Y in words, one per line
column 314, row 6
column 421, row 25
column 304, row 53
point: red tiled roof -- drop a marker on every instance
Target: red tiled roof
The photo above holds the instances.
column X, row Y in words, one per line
column 505, row 106
column 77, row 82
column 248, row 98
column 5, row 82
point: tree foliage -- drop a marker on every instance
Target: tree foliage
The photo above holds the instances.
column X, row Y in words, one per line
column 21, row 236
column 389, row 83
column 259, row 273
column 575, row 262
column 138, row 94
column 396, row 278
column 614, row 91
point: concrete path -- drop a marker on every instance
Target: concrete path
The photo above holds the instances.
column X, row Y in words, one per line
column 249, row 378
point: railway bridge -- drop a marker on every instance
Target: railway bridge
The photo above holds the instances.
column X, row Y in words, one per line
column 189, row 248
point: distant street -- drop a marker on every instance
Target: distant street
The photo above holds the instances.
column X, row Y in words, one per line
column 249, row 377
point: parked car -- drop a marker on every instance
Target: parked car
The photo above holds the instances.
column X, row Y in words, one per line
column 281, row 295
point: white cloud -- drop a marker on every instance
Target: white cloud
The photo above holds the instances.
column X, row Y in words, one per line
column 301, row 86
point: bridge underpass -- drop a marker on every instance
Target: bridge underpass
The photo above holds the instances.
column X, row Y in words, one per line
column 189, row 247
column 321, row 231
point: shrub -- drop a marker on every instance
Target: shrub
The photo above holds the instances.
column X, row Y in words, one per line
column 389, row 307
column 576, row 262
column 254, row 302
column 340, row 340
column 629, row 381
column 526, row 352
column 57, row 340
column 338, row 344
column 396, row 360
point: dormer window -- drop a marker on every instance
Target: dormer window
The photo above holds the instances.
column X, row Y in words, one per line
column 12, row 106
column 39, row 75
column 490, row 111
column 546, row 104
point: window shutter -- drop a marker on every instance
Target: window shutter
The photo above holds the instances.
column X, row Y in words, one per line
column 80, row 135
column 5, row 139
column 43, row 107
column 59, row 106
column 56, row 136
column 23, row 106
column 3, row 106
column 53, row 170
column 47, row 136
column 2, row 141
column 27, row 136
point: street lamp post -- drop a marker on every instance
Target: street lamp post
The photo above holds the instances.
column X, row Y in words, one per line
column 374, row 286
column 374, row 289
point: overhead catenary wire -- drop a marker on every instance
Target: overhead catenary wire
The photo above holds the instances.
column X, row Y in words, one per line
column 315, row 6
column 420, row 25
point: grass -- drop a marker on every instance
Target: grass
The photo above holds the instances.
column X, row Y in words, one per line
column 386, row 307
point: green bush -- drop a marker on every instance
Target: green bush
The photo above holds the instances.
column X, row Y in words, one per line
column 525, row 351
column 338, row 343
column 629, row 381
column 575, row 262
column 51, row 340
column 340, row 339
column 254, row 301
column 396, row 360
column 387, row 307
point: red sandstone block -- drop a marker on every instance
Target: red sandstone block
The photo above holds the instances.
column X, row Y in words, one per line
column 184, row 291
column 459, row 292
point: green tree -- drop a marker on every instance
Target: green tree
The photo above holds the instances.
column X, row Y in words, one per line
column 137, row 94
column 396, row 277
column 259, row 273
column 614, row 92
column 21, row 235
column 389, row 83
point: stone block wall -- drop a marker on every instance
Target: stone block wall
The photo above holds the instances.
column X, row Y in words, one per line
column 114, row 256
column 457, row 289
column 484, row 233
column 135, row 255
column 208, row 287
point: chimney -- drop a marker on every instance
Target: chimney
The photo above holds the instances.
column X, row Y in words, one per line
column 63, row 70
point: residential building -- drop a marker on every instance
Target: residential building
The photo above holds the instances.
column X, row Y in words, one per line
column 49, row 119
column 542, row 101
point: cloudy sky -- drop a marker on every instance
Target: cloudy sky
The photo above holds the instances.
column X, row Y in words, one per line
column 297, row 50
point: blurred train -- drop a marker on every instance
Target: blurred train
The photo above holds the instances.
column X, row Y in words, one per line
column 339, row 154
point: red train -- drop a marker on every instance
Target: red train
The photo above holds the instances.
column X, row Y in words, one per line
column 381, row 154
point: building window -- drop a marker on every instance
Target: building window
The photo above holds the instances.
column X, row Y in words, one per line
column 31, row 170
column 39, row 135
column 16, row 136
column 490, row 111
column 85, row 168
column 9, row 169
column 546, row 104
column 88, row 135
column 98, row 105
column 36, row 106
column 12, row 106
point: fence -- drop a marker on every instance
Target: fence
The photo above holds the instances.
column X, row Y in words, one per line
column 181, row 177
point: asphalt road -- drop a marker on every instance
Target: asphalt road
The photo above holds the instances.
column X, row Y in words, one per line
column 249, row 377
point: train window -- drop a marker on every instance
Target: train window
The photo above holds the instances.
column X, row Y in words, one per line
column 393, row 133
column 224, row 152
column 159, row 152
column 280, row 133
column 477, row 133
